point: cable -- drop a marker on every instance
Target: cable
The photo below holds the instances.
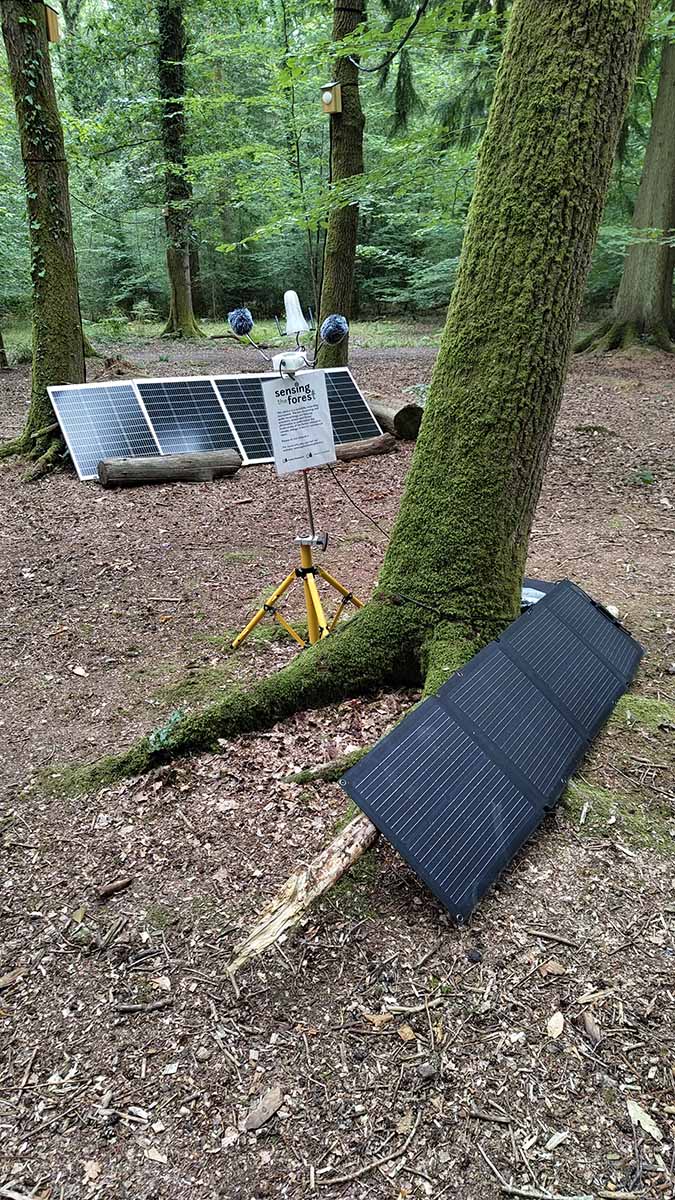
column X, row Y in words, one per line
column 355, row 505
column 421, row 9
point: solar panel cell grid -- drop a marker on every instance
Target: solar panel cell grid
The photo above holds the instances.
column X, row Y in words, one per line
column 243, row 399
column 102, row 421
column 461, row 783
column 352, row 419
column 186, row 415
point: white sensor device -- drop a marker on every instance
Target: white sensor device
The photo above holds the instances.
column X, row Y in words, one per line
column 289, row 362
column 295, row 321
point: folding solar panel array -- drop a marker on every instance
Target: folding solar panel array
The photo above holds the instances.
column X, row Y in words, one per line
column 144, row 417
column 463, row 781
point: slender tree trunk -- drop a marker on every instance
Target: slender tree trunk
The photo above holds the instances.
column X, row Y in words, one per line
column 643, row 309
column 453, row 570
column 3, row 354
column 177, row 191
column 346, row 156
column 57, row 330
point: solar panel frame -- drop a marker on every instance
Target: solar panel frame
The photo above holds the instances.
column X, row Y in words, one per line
column 119, row 387
column 175, row 382
column 335, row 399
column 519, row 705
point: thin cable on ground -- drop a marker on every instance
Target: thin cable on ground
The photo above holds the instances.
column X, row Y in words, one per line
column 355, row 505
column 389, row 58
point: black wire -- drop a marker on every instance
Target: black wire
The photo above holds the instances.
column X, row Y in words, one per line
column 355, row 505
column 390, row 57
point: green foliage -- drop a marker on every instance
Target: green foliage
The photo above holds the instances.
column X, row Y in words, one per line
column 258, row 156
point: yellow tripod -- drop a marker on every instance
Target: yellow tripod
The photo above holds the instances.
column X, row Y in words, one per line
column 317, row 625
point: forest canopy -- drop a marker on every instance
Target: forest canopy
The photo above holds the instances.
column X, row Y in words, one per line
column 257, row 156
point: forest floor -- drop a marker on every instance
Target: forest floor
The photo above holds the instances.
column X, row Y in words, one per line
column 533, row 1049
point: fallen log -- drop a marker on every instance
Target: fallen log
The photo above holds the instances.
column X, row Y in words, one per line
column 377, row 445
column 402, row 418
column 295, row 897
column 170, row 468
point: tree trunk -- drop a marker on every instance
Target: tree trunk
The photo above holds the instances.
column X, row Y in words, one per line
column 452, row 573
column 643, row 309
column 346, row 158
column 177, row 191
column 3, row 354
column 58, row 355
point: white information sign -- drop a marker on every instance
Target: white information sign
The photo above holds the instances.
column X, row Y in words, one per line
column 299, row 420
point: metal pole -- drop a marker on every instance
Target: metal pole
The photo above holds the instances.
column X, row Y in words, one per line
column 308, row 498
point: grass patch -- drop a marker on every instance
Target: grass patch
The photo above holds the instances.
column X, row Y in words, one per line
column 238, row 556
column 634, row 821
column 196, row 687
column 160, row 916
column 266, row 632
column 647, row 711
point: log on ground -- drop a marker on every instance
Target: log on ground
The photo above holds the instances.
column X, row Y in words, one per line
column 401, row 418
column 363, row 449
column 170, row 468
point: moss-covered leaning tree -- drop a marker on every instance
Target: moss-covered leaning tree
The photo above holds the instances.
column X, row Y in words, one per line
column 58, row 352
column 452, row 573
column 643, row 309
column 346, row 162
column 171, row 48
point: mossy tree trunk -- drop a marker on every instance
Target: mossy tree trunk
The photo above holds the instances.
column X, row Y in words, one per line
column 171, row 48
column 58, row 355
column 643, row 309
column 453, row 569
column 346, row 157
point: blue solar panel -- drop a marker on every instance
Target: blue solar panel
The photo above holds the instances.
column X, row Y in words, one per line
column 462, row 782
column 243, row 398
column 186, row 415
column 102, row 420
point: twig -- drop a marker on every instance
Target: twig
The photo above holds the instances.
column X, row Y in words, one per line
column 495, row 1170
column 153, row 1006
column 429, row 954
column 488, row 1116
column 377, row 1162
column 553, row 937
column 26, row 1073
column 401, row 1008
column 530, row 1194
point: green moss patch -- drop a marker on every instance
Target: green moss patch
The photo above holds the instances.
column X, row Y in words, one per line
column 629, row 818
column 195, row 687
column 353, row 893
column 647, row 711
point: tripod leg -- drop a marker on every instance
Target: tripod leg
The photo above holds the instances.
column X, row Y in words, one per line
column 316, row 619
column 267, row 607
column 340, row 587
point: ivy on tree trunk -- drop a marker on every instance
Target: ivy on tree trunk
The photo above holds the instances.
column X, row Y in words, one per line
column 58, row 352
column 453, row 570
column 346, row 153
column 643, row 309
column 171, row 49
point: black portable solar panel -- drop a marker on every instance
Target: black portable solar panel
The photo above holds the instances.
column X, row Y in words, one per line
column 186, row 415
column 464, row 780
column 102, row 420
column 243, row 398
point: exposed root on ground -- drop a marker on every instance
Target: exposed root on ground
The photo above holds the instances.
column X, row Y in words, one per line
column 45, row 449
column 626, row 335
column 379, row 647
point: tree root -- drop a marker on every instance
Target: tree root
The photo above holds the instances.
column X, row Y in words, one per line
column 330, row 772
column 625, row 335
column 44, row 449
column 379, row 647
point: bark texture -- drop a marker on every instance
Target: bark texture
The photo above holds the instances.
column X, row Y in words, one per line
column 346, row 159
column 58, row 353
column 453, row 570
column 171, row 48
column 643, row 310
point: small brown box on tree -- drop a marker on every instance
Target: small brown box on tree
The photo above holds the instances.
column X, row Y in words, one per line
column 52, row 24
column 331, row 97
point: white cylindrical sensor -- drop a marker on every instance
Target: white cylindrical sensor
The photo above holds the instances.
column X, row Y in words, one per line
column 295, row 321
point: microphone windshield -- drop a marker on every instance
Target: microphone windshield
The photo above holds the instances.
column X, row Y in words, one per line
column 334, row 329
column 240, row 321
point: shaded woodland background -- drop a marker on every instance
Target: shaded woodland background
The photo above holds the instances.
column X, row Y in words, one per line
column 257, row 143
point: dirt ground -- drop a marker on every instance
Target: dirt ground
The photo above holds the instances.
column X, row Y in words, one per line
column 532, row 1051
